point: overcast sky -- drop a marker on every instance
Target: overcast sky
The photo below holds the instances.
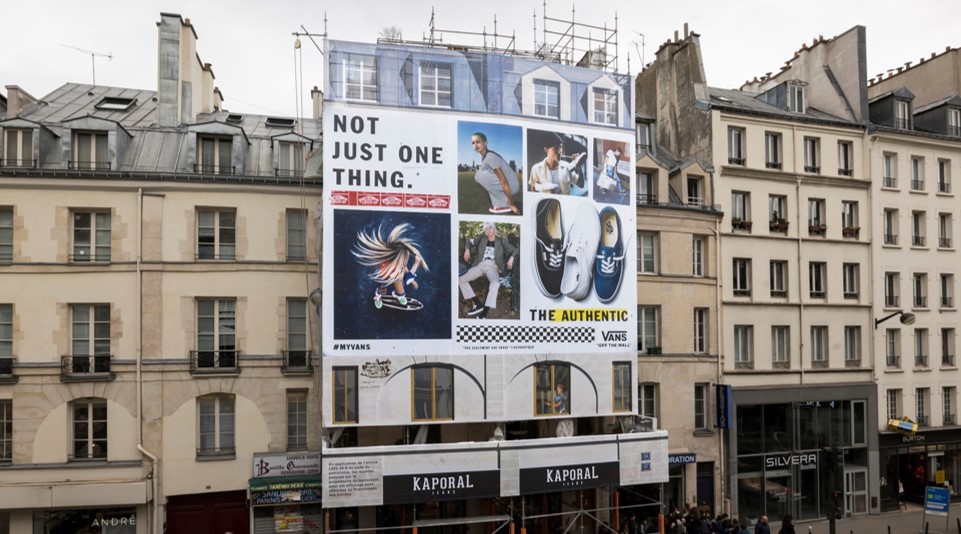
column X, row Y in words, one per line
column 250, row 42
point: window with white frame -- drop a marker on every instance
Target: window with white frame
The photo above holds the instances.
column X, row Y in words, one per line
column 918, row 229
column 944, row 176
column 818, row 279
column 345, row 395
column 547, row 99
column 777, row 205
column 894, row 403
column 850, row 224
column 215, row 425
column 695, row 192
column 216, row 333
column 18, row 148
column 215, row 155
column 845, row 158
column 90, row 151
column 890, row 226
column 921, row 347
column 917, row 173
column 6, row 431
column 700, row 330
column 772, row 150
column 290, row 159
column 812, row 156
column 216, row 234
column 647, row 400
column 947, row 347
column 740, row 210
column 90, row 338
column 646, row 188
column 642, row 132
column 852, row 280
column 902, row 116
column 742, row 277
column 949, row 411
column 796, row 98
column 647, row 252
column 623, row 386
column 819, row 345
column 605, row 106
column 920, row 290
column 435, row 84
column 433, row 393
column 817, row 224
column 91, row 236
column 89, row 436
column 648, row 339
column 892, row 289
column 700, row 406
column 743, row 345
column 890, row 178
column 697, row 261
column 922, row 398
column 360, row 77
column 552, row 389
column 296, row 235
column 297, row 354
column 892, row 346
column 778, row 278
column 6, row 233
column 852, row 345
column 296, row 419
column 735, row 146
column 780, row 346
column 947, row 290
column 954, row 122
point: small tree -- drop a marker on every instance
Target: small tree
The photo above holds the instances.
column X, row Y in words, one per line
column 391, row 33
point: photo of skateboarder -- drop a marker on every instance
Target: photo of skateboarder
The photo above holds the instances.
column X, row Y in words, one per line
column 388, row 254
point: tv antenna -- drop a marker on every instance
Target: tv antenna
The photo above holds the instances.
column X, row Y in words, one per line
column 639, row 48
column 93, row 56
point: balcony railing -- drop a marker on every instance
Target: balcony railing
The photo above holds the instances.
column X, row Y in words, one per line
column 779, row 225
column 949, row 419
column 920, row 301
column 214, row 361
column 846, row 172
column 947, row 360
column 917, row 185
column 920, row 360
column 944, row 242
column 817, row 294
column 850, row 294
column 23, row 163
column 695, row 201
column 742, row 292
column 890, row 239
column 944, row 187
column 851, row 231
column 889, row 181
column 923, row 420
column 288, row 172
column 214, row 169
column 76, row 165
column 954, row 130
column 774, row 165
column 891, row 301
column 894, row 361
column 778, row 293
column 852, row 363
column 917, row 240
column 947, row 302
column 82, row 368
column 812, row 168
column 741, row 224
column 901, row 124
column 735, row 161
column 817, row 229
column 646, row 199
column 297, row 361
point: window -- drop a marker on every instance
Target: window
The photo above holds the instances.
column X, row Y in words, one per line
column 646, row 188
column 297, row 354
column 697, row 261
column 695, row 193
column 947, row 290
column 345, row 394
column 216, row 334
column 700, row 330
column 944, row 230
column 852, row 280
column 605, row 106
column 743, row 346
column 91, row 236
column 845, row 158
column 433, row 398
column 278, row 122
column 852, row 346
column 547, row 99
column 772, row 150
column 642, row 136
column 216, row 234
column 290, row 159
column 623, row 385
column 920, row 347
column 902, row 117
column 954, row 122
column 917, row 228
column 947, row 347
column 89, row 429
column 890, row 178
column 922, row 399
column 892, row 286
column 796, row 98
column 6, row 234
column 360, row 77
column 917, row 174
column 740, row 210
column 778, row 278
column 6, row 431
column 818, row 279
column 296, row 235
column 920, row 290
column 214, row 155
column 948, row 410
column 113, row 103
column 850, row 225
column 894, row 403
column 700, row 406
column 647, row 400
column 892, row 343
column 777, row 205
column 781, row 346
column 647, row 330
column 735, row 146
column 944, row 176
column 6, row 339
column 296, row 420
column 646, row 252
column 742, row 277
column 435, row 84
column 90, row 338
column 553, row 389
column 819, row 346
column 216, row 425
column 890, row 223
column 812, row 157
column 90, row 151
column 18, row 148
column 817, row 225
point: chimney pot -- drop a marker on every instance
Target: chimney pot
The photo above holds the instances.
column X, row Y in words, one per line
column 907, row 65
column 675, row 36
column 934, row 55
column 685, row 31
column 186, row 22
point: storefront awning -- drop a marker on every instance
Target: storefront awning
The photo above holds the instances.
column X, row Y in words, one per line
column 285, row 483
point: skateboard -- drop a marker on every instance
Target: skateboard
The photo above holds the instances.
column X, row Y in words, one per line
column 390, row 301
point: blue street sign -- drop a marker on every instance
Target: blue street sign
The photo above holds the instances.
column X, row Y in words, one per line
column 936, row 500
column 725, row 406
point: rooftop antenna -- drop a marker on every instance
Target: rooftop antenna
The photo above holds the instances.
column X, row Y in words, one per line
column 639, row 47
column 93, row 55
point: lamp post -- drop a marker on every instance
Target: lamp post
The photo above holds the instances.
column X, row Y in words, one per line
column 906, row 318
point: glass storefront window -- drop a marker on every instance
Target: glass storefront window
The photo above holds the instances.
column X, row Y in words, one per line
column 750, row 429
column 92, row 521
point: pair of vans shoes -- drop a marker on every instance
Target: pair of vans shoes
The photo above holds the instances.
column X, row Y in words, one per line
column 590, row 255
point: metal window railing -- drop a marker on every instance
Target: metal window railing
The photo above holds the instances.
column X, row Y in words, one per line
column 949, row 419
column 889, row 181
column 920, row 301
column 646, row 199
column 917, row 240
column 735, row 161
column 944, row 187
column 845, row 172
column 917, row 185
column 23, row 163
column 773, row 165
column 923, row 420
column 944, row 242
column 78, row 165
column 84, row 366
column 920, row 360
column 812, row 168
column 297, row 360
column 890, row 239
column 893, row 361
column 901, row 124
column 947, row 302
column 947, row 359
column 891, row 301
column 200, row 168
column 214, row 361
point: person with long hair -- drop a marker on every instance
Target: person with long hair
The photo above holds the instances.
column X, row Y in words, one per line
column 389, row 255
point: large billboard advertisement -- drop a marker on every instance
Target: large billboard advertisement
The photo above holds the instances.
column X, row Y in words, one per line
column 476, row 203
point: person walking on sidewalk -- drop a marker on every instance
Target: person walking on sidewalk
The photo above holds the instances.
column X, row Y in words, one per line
column 787, row 525
column 762, row 526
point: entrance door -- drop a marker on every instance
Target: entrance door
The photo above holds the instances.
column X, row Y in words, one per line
column 705, row 487
column 856, row 492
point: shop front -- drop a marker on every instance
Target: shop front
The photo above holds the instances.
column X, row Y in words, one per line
column 929, row 457
column 285, row 493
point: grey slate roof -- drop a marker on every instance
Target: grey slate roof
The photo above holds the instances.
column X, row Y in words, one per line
column 746, row 102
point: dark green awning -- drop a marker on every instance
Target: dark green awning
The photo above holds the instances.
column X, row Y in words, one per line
column 285, row 483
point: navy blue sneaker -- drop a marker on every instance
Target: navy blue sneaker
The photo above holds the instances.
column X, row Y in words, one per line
column 609, row 267
column 548, row 247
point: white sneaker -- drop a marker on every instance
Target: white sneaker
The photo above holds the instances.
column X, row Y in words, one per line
column 582, row 240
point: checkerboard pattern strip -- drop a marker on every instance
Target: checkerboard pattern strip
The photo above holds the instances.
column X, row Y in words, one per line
column 484, row 333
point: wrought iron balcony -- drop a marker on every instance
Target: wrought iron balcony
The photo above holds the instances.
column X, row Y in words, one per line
column 947, row 302
column 890, row 239
column 917, row 240
column 86, row 368
column 646, row 199
column 920, row 301
column 214, row 361
column 894, row 361
column 22, row 163
column 944, row 187
column 735, row 161
column 947, row 360
column 773, row 165
column 297, row 362
column 846, row 172
column 889, row 181
column 920, row 360
column 200, row 168
column 944, row 242
column 917, row 185
column 891, row 301
column 812, row 168
column 77, row 165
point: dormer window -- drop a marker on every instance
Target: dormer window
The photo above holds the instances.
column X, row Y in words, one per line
column 277, row 122
column 112, row 103
column 214, row 155
column 290, row 159
column 360, row 77
column 902, row 117
column 954, row 122
column 605, row 106
column 435, row 84
column 796, row 97
column 643, row 136
column 90, row 151
column 547, row 99
column 18, row 148
column 234, row 118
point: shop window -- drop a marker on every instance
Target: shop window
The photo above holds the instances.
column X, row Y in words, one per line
column 552, row 389
column 215, row 426
column 89, row 437
column 345, row 394
column 433, row 393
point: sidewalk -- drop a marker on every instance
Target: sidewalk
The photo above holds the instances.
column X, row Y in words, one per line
column 901, row 522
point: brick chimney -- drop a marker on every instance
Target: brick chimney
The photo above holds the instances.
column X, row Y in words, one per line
column 185, row 85
column 18, row 100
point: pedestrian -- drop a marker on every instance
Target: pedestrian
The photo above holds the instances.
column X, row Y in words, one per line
column 762, row 526
column 787, row 525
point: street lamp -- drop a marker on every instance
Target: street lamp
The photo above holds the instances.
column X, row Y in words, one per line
column 906, row 318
